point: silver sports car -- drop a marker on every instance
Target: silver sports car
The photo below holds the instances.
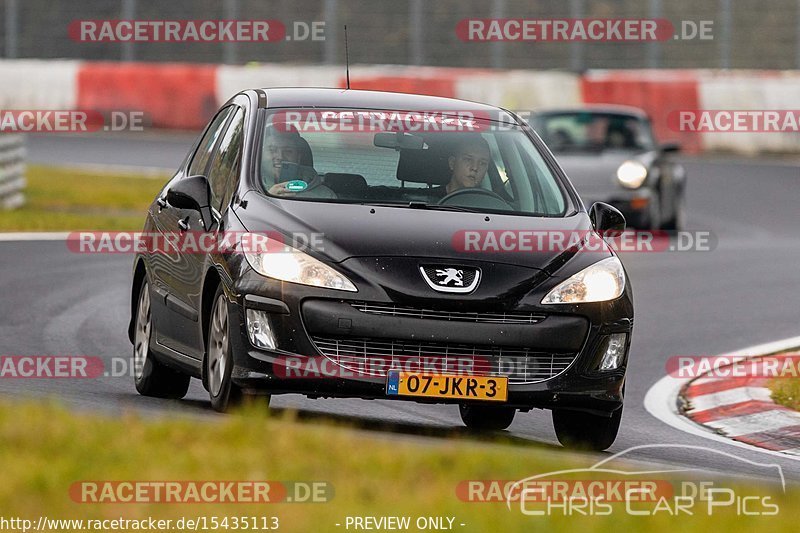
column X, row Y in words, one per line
column 611, row 155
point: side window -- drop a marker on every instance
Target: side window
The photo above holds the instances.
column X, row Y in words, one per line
column 204, row 149
column 224, row 172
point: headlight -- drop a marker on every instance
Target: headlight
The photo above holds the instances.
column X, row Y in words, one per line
column 631, row 174
column 285, row 263
column 603, row 281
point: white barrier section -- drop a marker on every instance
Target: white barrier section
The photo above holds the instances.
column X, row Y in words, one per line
column 232, row 79
column 12, row 170
column 742, row 91
column 38, row 84
column 521, row 89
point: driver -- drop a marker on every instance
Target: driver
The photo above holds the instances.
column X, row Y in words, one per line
column 468, row 163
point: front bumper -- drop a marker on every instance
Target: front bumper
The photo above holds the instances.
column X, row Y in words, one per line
column 301, row 317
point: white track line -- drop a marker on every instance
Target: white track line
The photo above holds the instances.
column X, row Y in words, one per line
column 120, row 171
column 661, row 400
column 34, row 236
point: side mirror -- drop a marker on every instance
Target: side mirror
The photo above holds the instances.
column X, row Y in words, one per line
column 606, row 219
column 192, row 192
column 670, row 147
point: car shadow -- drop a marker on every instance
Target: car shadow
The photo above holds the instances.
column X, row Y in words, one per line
column 405, row 428
column 203, row 408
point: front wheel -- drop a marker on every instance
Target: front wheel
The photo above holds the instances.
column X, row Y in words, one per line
column 151, row 377
column 223, row 392
column 575, row 429
column 678, row 220
column 486, row 417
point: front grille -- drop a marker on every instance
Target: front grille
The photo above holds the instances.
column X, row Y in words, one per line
column 453, row 316
column 375, row 357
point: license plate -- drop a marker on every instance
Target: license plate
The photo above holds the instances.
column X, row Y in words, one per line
column 460, row 387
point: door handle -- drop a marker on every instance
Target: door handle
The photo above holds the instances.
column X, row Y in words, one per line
column 183, row 224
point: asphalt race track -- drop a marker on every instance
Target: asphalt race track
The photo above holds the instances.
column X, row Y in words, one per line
column 742, row 293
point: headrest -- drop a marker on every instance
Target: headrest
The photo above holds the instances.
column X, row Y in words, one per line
column 306, row 155
column 346, row 184
column 425, row 166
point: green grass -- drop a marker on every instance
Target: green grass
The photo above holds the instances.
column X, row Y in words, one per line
column 62, row 199
column 44, row 449
column 786, row 391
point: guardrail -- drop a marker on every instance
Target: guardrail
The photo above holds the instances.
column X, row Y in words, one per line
column 12, row 170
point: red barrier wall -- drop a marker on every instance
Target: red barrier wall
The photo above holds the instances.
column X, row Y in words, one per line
column 435, row 86
column 176, row 96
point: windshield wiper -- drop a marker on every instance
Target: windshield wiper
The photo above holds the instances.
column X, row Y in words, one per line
column 437, row 207
column 423, row 205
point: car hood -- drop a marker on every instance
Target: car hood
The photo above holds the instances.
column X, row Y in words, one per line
column 594, row 174
column 352, row 230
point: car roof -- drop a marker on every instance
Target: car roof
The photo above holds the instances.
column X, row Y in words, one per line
column 605, row 109
column 358, row 99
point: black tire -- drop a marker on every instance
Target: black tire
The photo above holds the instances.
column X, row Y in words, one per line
column 649, row 219
column 224, row 394
column 486, row 417
column 678, row 220
column 151, row 377
column 586, row 431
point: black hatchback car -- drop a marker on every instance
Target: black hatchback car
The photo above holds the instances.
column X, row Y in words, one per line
column 344, row 243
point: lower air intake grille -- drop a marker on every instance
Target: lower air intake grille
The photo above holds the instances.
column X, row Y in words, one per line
column 453, row 316
column 377, row 357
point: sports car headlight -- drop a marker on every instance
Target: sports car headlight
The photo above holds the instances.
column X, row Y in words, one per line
column 631, row 174
column 285, row 263
column 603, row 281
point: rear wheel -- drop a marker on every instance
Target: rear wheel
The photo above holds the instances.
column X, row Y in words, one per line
column 584, row 430
column 486, row 417
column 151, row 377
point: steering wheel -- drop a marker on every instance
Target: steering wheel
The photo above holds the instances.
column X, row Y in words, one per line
column 474, row 191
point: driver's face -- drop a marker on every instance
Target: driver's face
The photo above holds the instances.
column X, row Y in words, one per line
column 280, row 150
column 469, row 166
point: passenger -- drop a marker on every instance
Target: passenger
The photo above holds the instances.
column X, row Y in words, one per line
column 620, row 136
column 289, row 147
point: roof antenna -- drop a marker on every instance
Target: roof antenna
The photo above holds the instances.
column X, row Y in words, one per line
column 346, row 57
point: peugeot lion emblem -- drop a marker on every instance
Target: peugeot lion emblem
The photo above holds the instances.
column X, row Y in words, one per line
column 450, row 278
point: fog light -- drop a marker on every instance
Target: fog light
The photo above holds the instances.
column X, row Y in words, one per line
column 615, row 351
column 259, row 329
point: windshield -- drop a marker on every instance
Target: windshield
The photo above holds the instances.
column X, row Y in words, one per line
column 590, row 131
column 406, row 160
